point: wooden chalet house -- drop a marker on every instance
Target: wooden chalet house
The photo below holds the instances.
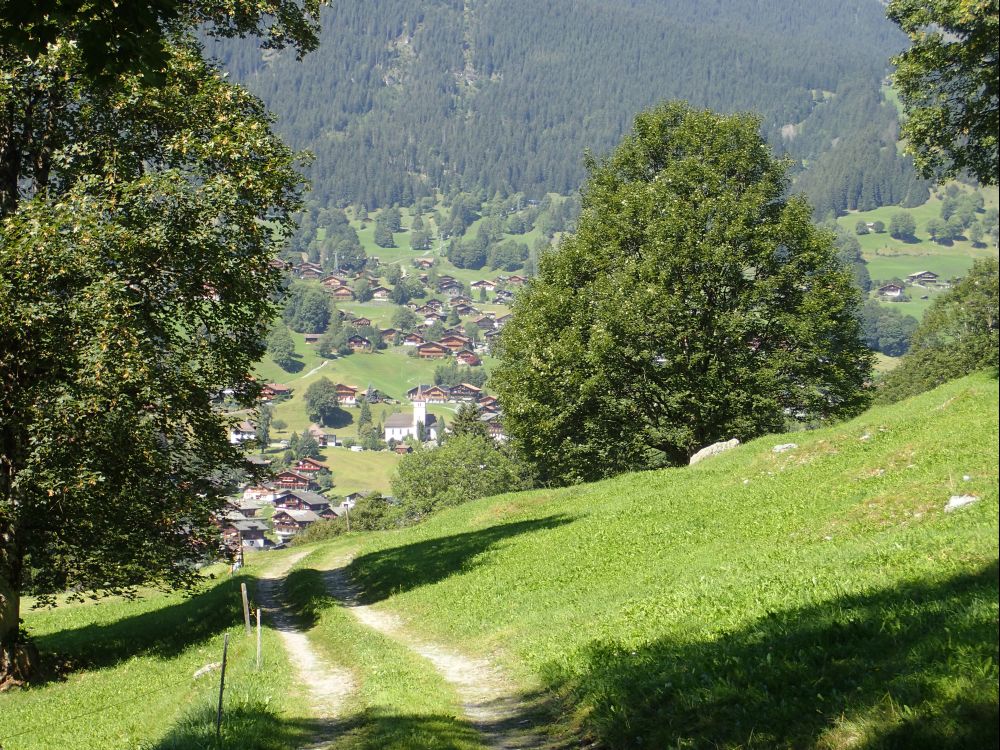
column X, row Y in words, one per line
column 423, row 263
column 431, row 394
column 465, row 392
column 244, row 532
column 503, row 297
column 488, row 404
column 361, row 322
column 432, row 317
column 342, row 292
column 485, row 322
column 892, row 291
column 359, row 344
column 381, row 293
column 434, row 305
column 320, row 436
column 333, row 281
column 464, row 310
column 242, row 433
column 347, row 395
column 468, row 357
column 502, row 320
column 460, row 299
column 302, row 500
column 433, row 350
column 452, row 289
column 293, row 480
column 489, row 286
column 310, row 466
column 517, row 280
column 288, row 523
column 274, row 390
column 388, row 334
column 455, row 342
column 312, row 338
column 923, row 277
column 413, row 339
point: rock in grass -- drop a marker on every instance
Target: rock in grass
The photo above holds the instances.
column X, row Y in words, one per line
column 784, row 447
column 959, row 501
column 713, row 450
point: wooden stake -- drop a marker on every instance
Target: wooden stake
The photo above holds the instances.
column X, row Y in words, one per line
column 258, row 640
column 347, row 515
column 222, row 687
column 246, row 607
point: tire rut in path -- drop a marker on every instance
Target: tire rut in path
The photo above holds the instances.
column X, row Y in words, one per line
column 490, row 701
column 329, row 686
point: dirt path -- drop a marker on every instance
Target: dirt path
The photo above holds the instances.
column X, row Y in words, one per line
column 328, row 685
column 490, row 701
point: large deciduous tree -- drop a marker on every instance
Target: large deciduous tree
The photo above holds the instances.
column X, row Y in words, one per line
column 138, row 218
column 947, row 81
column 694, row 304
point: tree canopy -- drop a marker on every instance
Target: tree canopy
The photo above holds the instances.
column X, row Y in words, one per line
column 694, row 304
column 948, row 83
column 137, row 226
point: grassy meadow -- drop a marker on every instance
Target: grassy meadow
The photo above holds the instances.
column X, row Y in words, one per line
column 819, row 597
column 119, row 673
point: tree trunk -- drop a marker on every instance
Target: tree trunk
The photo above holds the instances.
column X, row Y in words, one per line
column 17, row 658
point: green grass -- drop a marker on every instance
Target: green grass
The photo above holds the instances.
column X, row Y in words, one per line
column 815, row 598
column 360, row 471
column 127, row 677
column 399, row 701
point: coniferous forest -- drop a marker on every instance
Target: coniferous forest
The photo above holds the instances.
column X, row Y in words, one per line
column 406, row 98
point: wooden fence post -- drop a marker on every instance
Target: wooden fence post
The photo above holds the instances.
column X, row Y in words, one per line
column 258, row 639
column 222, row 687
column 246, row 607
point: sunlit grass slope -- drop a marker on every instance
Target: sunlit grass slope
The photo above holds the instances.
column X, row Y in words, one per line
column 819, row 597
column 127, row 677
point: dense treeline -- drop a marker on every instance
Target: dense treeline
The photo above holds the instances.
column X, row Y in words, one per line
column 403, row 98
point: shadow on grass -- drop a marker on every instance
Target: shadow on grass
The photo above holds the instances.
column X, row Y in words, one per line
column 910, row 667
column 293, row 366
column 386, row 572
column 252, row 726
column 305, row 596
column 163, row 632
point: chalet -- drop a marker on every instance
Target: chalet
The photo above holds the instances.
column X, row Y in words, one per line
column 258, row 493
column 464, row 310
column 503, row 297
column 241, row 433
column 312, row 338
column 893, row 291
column 517, row 280
column 454, row 289
column 502, row 320
column 274, row 390
column 362, row 322
column 375, row 396
column 341, row 292
column 432, row 317
column 465, row 392
column 468, row 357
column 307, row 270
column 402, row 449
column 245, row 532
column 310, row 466
column 489, row 286
column 426, row 310
column 333, row 281
column 388, row 334
column 293, row 480
column 424, row 263
column 488, row 404
column 288, row 523
column 445, row 278
column 359, row 344
column 434, row 304
column 347, row 395
column 485, row 322
column 494, row 428
column 455, row 342
column 431, row 394
column 281, row 265
column 301, row 500
column 244, row 508
column 413, row 339
column 460, row 299
column 433, row 350
column 381, row 293
column 321, row 437
column 923, row 277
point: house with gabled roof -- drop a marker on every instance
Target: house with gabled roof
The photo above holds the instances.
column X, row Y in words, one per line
column 465, row 392
column 242, row 433
column 486, row 284
column 892, row 291
column 333, row 281
column 468, row 357
column 288, row 523
column 431, row 394
column 342, row 292
column 274, row 390
column 455, row 342
column 361, row 321
column 293, row 480
column 309, row 465
column 381, row 293
column 460, row 299
column 359, row 344
column 433, row 350
column 517, row 280
column 301, row 500
column 424, row 263
column 413, row 339
column 923, row 277
column 347, row 395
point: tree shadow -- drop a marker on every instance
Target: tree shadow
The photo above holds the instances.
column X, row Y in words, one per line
column 908, row 667
column 340, row 418
column 305, row 596
column 165, row 632
column 386, row 572
column 250, row 726
column 294, row 365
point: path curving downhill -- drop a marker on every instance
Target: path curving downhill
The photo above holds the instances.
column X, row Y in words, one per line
column 490, row 700
column 329, row 686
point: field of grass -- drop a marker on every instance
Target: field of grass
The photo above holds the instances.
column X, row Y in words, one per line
column 125, row 677
column 819, row 597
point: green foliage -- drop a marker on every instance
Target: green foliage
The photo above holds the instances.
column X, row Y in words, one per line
column 902, row 226
column 383, row 235
column 307, row 447
column 886, row 329
column 695, row 304
column 322, row 404
column 464, row 468
column 467, row 422
column 307, row 308
column 281, row 347
column 451, row 374
column 947, row 81
column 861, row 227
column 958, row 335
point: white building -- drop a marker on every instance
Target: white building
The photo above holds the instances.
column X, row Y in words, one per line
column 400, row 426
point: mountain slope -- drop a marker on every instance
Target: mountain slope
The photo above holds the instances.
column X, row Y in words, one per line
column 818, row 597
column 404, row 97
